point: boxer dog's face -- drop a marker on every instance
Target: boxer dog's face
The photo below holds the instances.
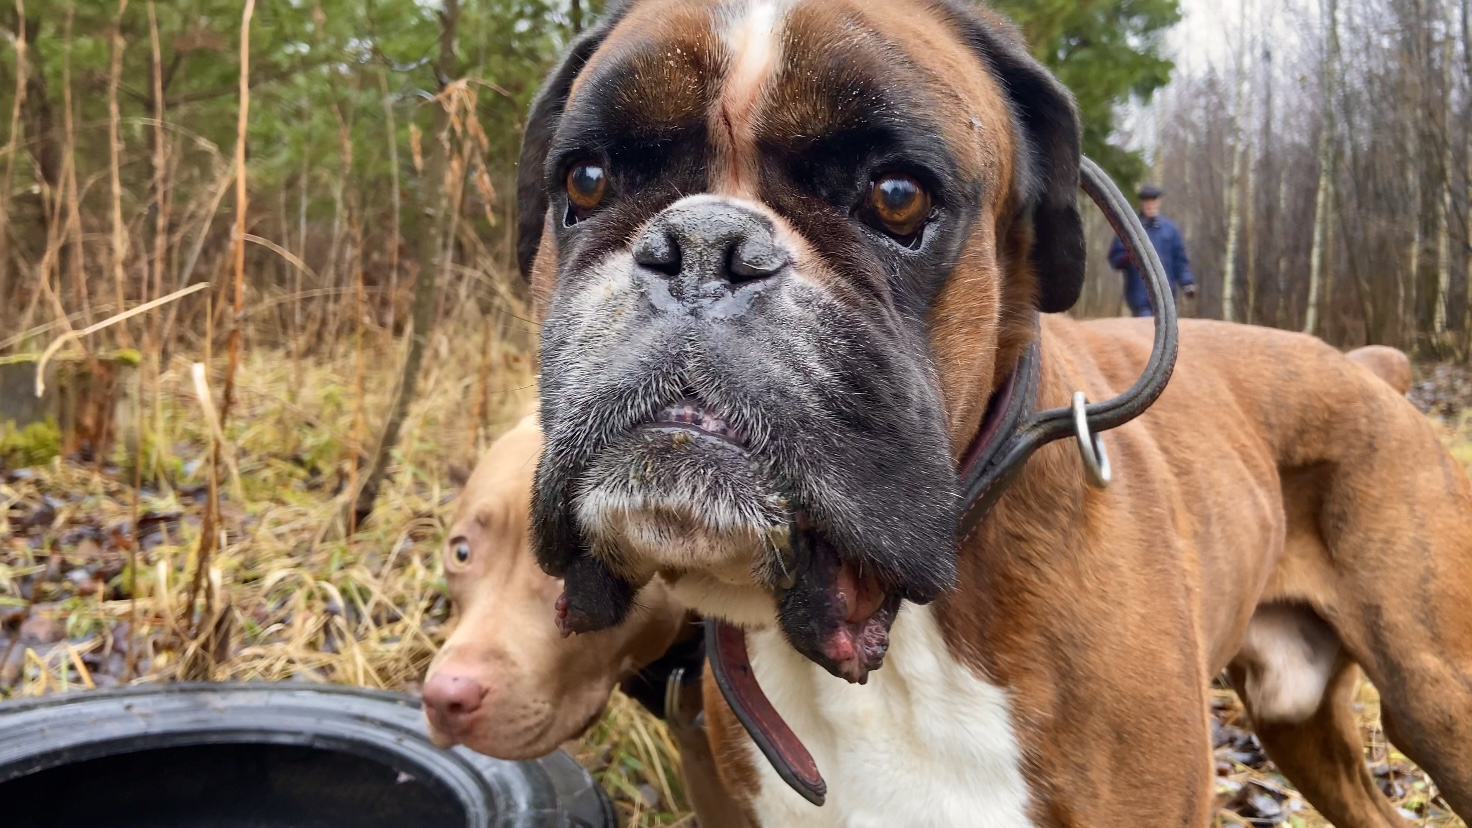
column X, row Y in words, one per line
column 783, row 249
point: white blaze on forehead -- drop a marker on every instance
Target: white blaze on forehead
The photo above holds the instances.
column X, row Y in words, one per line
column 750, row 31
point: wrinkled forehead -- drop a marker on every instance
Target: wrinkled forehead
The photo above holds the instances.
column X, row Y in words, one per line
column 785, row 74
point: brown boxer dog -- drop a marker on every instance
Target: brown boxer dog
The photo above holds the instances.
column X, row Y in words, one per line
column 1389, row 364
column 788, row 255
column 506, row 685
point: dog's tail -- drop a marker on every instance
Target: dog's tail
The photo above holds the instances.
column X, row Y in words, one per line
column 1387, row 363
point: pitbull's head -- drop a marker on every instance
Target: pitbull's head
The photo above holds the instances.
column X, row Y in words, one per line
column 784, row 250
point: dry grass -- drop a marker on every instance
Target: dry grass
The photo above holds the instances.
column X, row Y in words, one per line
column 287, row 602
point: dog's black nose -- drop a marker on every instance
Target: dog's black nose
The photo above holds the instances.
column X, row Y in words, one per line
column 703, row 240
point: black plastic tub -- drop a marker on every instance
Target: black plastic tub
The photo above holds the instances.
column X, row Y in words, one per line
column 267, row 756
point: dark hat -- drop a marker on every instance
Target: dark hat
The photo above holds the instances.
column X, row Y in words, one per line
column 1150, row 191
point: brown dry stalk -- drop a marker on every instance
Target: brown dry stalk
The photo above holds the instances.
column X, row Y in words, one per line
column 212, row 511
column 48, row 260
column 482, row 391
column 160, row 170
column 69, row 179
column 115, row 143
column 189, row 622
column 242, row 203
column 12, row 148
column 360, row 309
column 186, row 273
column 155, row 327
column 163, row 206
column 395, row 200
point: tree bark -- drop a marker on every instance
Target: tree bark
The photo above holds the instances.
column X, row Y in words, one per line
column 1234, row 185
column 72, row 253
column 395, row 200
column 434, row 255
column 115, row 145
column 1467, row 213
column 16, row 128
column 1444, row 204
column 1324, row 199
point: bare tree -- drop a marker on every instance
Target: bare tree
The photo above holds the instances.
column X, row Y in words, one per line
column 1325, row 197
column 1444, row 204
column 1239, row 151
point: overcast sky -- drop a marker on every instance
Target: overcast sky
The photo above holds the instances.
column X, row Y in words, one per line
column 1206, row 39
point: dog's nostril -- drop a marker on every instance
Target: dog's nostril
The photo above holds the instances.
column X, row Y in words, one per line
column 755, row 258
column 658, row 250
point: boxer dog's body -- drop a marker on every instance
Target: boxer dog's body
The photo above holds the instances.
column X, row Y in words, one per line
column 786, row 253
column 1387, row 363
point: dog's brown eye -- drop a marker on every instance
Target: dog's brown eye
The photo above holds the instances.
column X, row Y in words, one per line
column 586, row 185
column 900, row 204
column 460, row 551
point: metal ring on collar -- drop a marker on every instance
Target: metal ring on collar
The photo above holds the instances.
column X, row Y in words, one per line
column 1090, row 445
column 672, row 688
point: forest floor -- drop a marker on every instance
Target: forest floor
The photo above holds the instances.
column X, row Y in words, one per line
column 87, row 600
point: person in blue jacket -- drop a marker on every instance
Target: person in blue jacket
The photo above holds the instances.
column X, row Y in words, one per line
column 1169, row 245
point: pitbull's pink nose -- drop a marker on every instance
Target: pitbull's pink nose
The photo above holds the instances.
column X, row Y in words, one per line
column 450, row 699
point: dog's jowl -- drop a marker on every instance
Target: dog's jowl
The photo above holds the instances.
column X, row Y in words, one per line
column 785, row 253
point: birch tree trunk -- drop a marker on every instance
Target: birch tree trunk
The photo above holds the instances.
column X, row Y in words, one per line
column 1444, row 205
column 1239, row 146
column 1280, row 265
column 1406, row 290
column 1412, row 284
column 1323, row 200
column 1467, row 214
column 1249, row 201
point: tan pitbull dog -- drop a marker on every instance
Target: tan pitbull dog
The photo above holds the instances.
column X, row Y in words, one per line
column 504, row 684
column 785, row 253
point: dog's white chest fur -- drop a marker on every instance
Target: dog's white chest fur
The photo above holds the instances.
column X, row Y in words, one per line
column 925, row 743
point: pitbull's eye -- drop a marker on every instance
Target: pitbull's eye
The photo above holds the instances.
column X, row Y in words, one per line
column 587, row 183
column 900, row 205
column 460, row 551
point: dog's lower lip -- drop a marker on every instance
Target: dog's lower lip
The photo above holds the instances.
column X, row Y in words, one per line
column 691, row 414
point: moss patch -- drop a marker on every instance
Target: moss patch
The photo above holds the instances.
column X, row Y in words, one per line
column 34, row 445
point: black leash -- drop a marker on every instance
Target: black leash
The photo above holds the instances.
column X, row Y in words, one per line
column 1008, row 437
column 985, row 481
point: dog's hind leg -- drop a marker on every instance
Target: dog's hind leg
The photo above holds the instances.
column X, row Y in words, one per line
column 1419, row 656
column 1416, row 646
column 1298, row 684
column 1394, row 514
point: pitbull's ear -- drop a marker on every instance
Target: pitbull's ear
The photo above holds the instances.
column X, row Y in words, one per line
column 1048, row 154
column 546, row 112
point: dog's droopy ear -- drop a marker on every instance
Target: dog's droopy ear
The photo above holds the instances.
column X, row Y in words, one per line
column 1048, row 153
column 536, row 141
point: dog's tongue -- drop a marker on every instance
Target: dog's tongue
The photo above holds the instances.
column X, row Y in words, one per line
column 860, row 640
column 836, row 613
column 858, row 598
